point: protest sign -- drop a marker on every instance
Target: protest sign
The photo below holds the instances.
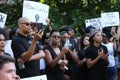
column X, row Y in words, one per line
column 2, row 19
column 35, row 11
column 42, row 77
column 96, row 22
column 110, row 19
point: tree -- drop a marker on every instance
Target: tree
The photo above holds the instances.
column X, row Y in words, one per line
column 65, row 12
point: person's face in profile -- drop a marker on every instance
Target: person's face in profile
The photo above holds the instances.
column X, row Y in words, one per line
column 86, row 41
column 25, row 25
column 8, row 72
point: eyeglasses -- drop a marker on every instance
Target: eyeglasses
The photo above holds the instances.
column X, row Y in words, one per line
column 56, row 36
column 27, row 24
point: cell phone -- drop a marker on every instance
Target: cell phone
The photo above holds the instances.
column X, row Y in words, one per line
column 100, row 49
column 39, row 26
column 67, row 43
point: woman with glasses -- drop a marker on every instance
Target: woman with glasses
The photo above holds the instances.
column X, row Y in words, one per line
column 55, row 63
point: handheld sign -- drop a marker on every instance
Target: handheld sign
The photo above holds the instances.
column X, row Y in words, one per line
column 42, row 77
column 2, row 19
column 35, row 11
column 110, row 19
column 96, row 22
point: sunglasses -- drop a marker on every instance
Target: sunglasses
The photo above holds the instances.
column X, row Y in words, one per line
column 27, row 24
column 56, row 36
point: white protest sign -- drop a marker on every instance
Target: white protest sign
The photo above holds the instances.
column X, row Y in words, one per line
column 2, row 19
column 35, row 11
column 42, row 77
column 96, row 22
column 110, row 19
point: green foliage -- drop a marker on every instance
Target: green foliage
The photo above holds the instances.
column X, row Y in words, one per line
column 65, row 12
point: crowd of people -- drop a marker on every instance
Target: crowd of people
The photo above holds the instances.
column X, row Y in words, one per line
column 32, row 51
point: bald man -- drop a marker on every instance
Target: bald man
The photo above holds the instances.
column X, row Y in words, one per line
column 26, row 50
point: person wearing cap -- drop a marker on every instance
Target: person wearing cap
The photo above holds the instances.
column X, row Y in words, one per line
column 96, row 57
column 88, row 29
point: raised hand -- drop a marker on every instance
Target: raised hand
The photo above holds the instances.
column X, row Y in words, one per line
column 38, row 34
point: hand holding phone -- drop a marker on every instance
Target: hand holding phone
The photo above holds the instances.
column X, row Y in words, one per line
column 67, row 43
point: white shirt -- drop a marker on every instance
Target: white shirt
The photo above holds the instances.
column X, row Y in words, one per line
column 8, row 48
column 111, row 58
column 42, row 64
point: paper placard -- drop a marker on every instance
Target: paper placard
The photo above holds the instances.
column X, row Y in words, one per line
column 3, row 18
column 110, row 19
column 96, row 22
column 35, row 11
column 42, row 77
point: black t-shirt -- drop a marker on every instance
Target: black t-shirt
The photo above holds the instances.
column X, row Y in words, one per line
column 98, row 71
column 83, row 70
column 20, row 44
column 73, row 44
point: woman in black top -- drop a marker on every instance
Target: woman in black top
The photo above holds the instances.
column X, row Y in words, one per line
column 83, row 72
column 54, row 58
column 96, row 57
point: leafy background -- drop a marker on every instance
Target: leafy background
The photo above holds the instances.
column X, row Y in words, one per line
column 64, row 12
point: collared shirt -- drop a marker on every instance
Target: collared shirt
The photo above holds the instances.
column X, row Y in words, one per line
column 21, row 44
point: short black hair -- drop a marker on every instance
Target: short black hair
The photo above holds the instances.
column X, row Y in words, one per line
column 54, row 30
column 109, row 35
column 3, row 33
column 5, row 59
column 12, row 32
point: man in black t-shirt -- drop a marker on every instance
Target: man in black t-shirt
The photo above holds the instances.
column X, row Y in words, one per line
column 26, row 50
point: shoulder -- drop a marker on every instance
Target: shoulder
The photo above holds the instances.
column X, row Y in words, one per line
column 103, row 46
column 90, row 47
column 47, row 47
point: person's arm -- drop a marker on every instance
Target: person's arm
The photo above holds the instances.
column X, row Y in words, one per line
column 81, row 62
column 49, row 24
column 53, row 62
column 38, row 56
column 105, row 58
column 28, row 54
column 91, row 63
column 74, row 56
